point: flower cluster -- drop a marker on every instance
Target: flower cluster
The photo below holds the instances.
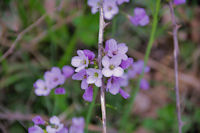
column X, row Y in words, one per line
column 53, row 79
column 114, row 62
column 110, row 7
column 140, row 17
column 135, row 70
column 55, row 126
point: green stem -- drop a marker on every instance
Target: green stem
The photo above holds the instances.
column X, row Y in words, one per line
column 148, row 50
column 89, row 114
column 66, row 58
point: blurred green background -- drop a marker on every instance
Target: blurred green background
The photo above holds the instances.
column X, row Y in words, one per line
column 55, row 40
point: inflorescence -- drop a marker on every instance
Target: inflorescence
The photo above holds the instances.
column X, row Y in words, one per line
column 55, row 126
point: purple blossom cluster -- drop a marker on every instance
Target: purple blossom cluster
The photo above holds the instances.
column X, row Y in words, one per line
column 55, row 126
column 110, row 7
column 54, row 78
column 115, row 62
column 140, row 17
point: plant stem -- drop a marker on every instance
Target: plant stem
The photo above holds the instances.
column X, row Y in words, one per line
column 176, row 51
column 148, row 50
column 90, row 109
column 100, row 48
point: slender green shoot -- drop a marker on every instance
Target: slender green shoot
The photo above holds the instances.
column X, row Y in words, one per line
column 148, row 50
column 90, row 110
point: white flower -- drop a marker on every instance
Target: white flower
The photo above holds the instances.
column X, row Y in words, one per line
column 41, row 88
column 80, row 61
column 110, row 9
column 57, row 126
column 111, row 67
column 94, row 77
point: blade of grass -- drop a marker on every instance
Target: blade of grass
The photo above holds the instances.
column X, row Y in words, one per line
column 68, row 51
column 147, row 53
column 90, row 110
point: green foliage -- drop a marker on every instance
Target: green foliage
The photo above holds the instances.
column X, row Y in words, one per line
column 87, row 29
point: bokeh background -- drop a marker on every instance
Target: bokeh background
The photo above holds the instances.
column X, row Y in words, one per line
column 69, row 26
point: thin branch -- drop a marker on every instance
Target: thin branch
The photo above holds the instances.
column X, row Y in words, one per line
column 29, row 28
column 100, row 48
column 176, row 51
column 19, row 37
column 184, row 78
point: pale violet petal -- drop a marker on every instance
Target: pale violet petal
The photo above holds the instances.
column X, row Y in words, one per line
column 114, row 90
column 79, row 68
column 118, row 72
column 91, row 80
column 98, row 83
column 84, row 84
column 116, row 61
column 107, row 72
column 106, row 61
column 76, row 61
column 122, row 48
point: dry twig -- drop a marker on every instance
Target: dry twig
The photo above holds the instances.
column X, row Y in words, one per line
column 176, row 51
column 100, row 48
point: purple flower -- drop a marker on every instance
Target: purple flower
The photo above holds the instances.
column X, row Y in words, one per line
column 88, row 95
column 119, row 2
column 55, row 125
column 81, row 75
column 67, row 71
column 144, row 84
column 63, row 130
column 37, row 120
column 140, row 17
column 124, row 80
column 41, row 88
column 89, row 54
column 35, row 129
column 94, row 4
column 110, row 9
column 113, row 85
column 59, row 91
column 124, row 94
column 179, row 2
column 81, row 61
column 125, row 64
column 94, row 77
column 77, row 125
column 137, row 68
column 113, row 49
column 54, row 78
column 111, row 67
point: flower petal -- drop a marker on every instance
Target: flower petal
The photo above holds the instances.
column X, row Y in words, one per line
column 116, row 61
column 84, row 84
column 76, row 61
column 118, row 72
column 67, row 71
column 107, row 72
column 91, row 80
column 88, row 95
column 106, row 61
column 80, row 75
column 79, row 68
column 122, row 48
column 98, row 83
column 124, row 94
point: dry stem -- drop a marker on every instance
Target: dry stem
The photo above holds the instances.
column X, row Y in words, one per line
column 176, row 51
column 100, row 48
